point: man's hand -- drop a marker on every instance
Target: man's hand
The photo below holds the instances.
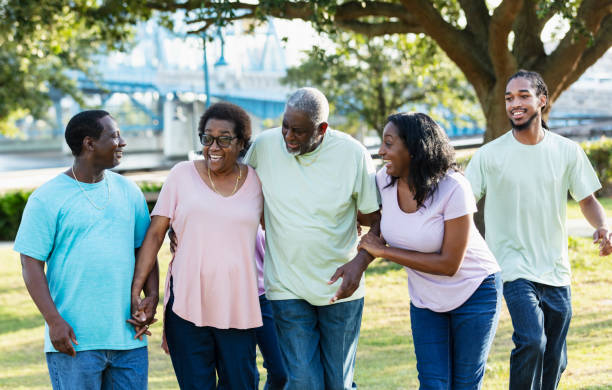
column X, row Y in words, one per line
column 173, row 240
column 62, row 336
column 143, row 315
column 350, row 273
column 603, row 237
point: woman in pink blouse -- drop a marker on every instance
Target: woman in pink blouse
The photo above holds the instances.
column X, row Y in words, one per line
column 211, row 301
column 427, row 226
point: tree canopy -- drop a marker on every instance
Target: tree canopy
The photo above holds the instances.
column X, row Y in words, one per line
column 487, row 40
column 41, row 40
column 366, row 79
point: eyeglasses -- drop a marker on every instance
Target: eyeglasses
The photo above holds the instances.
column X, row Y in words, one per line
column 224, row 141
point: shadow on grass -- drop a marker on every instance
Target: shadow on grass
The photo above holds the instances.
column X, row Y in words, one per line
column 10, row 322
column 382, row 266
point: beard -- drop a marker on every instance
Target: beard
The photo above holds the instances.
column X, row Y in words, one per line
column 306, row 147
column 524, row 125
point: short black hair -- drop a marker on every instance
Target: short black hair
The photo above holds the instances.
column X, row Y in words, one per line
column 84, row 124
column 537, row 83
column 431, row 154
column 232, row 113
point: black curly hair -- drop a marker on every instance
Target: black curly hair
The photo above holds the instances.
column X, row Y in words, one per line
column 232, row 113
column 431, row 154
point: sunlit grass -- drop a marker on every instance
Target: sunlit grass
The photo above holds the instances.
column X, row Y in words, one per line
column 385, row 356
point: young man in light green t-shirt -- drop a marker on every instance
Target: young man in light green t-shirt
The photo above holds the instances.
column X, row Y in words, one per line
column 526, row 175
column 315, row 181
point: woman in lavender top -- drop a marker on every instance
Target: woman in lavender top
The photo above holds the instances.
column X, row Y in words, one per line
column 427, row 226
column 267, row 340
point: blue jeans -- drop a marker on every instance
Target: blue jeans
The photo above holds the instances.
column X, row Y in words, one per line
column 452, row 347
column 318, row 343
column 541, row 317
column 200, row 353
column 99, row 369
column 267, row 340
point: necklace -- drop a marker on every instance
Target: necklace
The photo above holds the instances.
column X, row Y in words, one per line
column 308, row 163
column 235, row 185
column 87, row 196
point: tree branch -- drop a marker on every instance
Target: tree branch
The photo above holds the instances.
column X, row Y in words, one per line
column 359, row 9
column 460, row 46
column 528, row 47
column 478, row 18
column 377, row 29
column 602, row 43
column 502, row 20
column 563, row 61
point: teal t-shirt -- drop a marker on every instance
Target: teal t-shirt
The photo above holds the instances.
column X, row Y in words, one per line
column 89, row 255
column 310, row 211
column 526, row 190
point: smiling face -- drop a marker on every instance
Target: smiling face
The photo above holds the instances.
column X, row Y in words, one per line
column 221, row 159
column 394, row 152
column 300, row 134
column 523, row 105
column 108, row 148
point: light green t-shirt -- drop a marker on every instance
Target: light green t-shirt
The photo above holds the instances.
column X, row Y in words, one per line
column 526, row 190
column 310, row 211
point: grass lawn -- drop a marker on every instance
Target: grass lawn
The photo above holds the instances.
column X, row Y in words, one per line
column 385, row 357
column 573, row 208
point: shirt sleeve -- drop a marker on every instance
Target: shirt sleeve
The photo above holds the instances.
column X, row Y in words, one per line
column 142, row 219
column 250, row 157
column 365, row 185
column 475, row 174
column 583, row 180
column 460, row 201
column 168, row 196
column 36, row 234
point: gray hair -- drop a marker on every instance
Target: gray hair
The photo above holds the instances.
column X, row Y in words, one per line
column 312, row 102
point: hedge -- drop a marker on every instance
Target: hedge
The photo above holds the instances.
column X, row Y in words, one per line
column 12, row 203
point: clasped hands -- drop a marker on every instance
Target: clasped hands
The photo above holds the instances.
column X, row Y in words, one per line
column 143, row 315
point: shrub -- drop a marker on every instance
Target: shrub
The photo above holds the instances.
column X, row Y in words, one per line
column 12, row 204
column 599, row 153
column 11, row 209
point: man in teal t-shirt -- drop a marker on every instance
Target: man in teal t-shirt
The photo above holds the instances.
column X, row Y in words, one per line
column 85, row 225
column 526, row 175
column 315, row 181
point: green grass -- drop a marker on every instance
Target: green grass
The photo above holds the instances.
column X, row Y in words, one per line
column 573, row 208
column 385, row 357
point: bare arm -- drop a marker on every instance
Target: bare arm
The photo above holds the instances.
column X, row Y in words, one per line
column 446, row 262
column 146, row 275
column 352, row 271
column 596, row 216
column 60, row 332
column 146, row 258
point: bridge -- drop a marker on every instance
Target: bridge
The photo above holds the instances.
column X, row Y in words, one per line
column 159, row 89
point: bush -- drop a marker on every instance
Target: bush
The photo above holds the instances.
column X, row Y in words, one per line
column 12, row 204
column 11, row 209
column 599, row 153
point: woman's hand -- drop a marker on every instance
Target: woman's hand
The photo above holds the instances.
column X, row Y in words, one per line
column 143, row 315
column 373, row 244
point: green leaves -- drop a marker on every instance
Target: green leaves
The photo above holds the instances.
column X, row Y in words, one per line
column 366, row 79
column 42, row 40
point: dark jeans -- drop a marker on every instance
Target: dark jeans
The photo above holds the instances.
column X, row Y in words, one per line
column 452, row 347
column 267, row 340
column 200, row 353
column 318, row 343
column 99, row 369
column 541, row 316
